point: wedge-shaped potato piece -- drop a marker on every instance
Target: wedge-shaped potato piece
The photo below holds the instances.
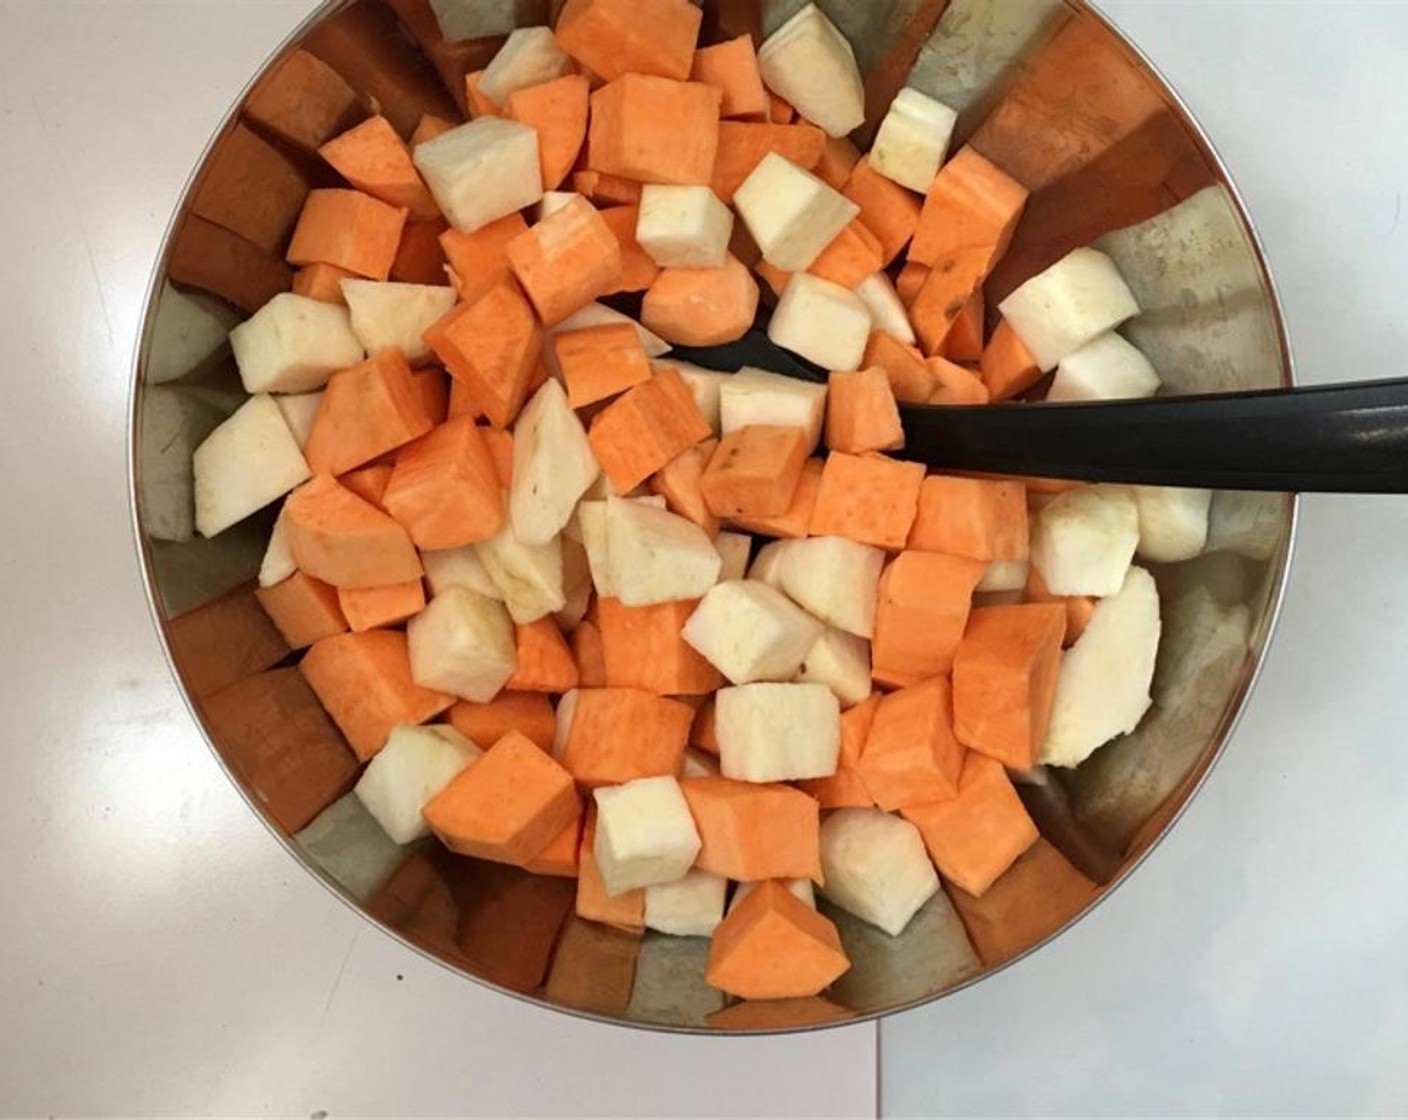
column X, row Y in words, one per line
column 752, row 632
column 811, row 64
column 913, row 139
column 689, row 907
column 553, row 466
column 876, row 867
column 294, row 344
column 834, row 579
column 656, row 556
column 756, row 398
column 778, row 732
column 1173, row 522
column 644, row 834
column 1073, row 302
column 1083, row 541
column 395, row 316
column 482, row 171
column 792, row 215
column 1107, row 369
column 414, row 766
column 529, row 577
column 463, row 644
column 245, row 464
column 840, row 661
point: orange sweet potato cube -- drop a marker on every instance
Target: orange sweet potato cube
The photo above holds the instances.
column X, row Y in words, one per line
column 680, row 481
column 600, row 362
column 868, row 498
column 1008, row 367
column 349, row 229
column 367, row 410
column 970, row 213
column 493, row 345
column 704, row 731
column 419, row 257
column 545, row 663
column 528, row 713
column 304, row 102
column 911, row 755
column 429, row 127
column 445, row 489
column 305, row 610
column 838, row 160
column 376, row 161
column 964, row 341
column 616, row 37
column 322, row 282
column 370, row 483
column 853, row 254
column 1079, row 608
column 479, row 103
column 434, row 388
column 920, row 611
column 607, row 190
column 364, row 681
column 558, row 111
column 755, row 472
column 702, row 306
column 223, row 640
column 955, row 384
column 508, row 806
column 780, row 110
column 889, row 211
column 566, row 261
column 910, row 281
column 750, row 832
column 646, row 427
column 983, row 519
column 624, row 911
column 910, row 379
column 479, row 260
column 620, row 734
column 775, row 946
column 975, row 837
column 560, row 858
column 847, row 788
column 340, row 539
column 589, row 652
column 638, row 271
column 655, row 130
column 501, row 451
column 642, row 648
column 861, row 413
column 796, row 522
column 743, row 144
column 1004, row 681
column 374, row 608
column 732, row 68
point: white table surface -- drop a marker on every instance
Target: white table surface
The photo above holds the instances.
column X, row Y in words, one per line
column 160, row 954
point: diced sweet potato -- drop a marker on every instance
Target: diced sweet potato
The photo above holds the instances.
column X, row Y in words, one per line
column 655, row 130
column 920, row 613
column 560, row 858
column 566, row 260
column 434, row 388
column 732, row 68
column 528, row 713
column 349, row 229
column 304, row 609
column 250, row 188
column 367, row 410
column 889, row 211
column 645, row 428
column 971, row 212
column 838, row 160
column 1009, row 369
column 780, row 110
column 751, row 832
column 847, row 788
column 680, row 483
column 796, row 522
column 364, row 681
column 861, row 413
column 971, row 517
column 220, row 642
column 478, row 103
column 304, row 102
column 508, row 806
column 956, row 385
column 377, row 162
column 910, row 282
column 868, row 498
column 600, row 362
column 322, row 282
column 589, row 652
column 480, row 259
column 370, row 483
column 419, row 257
column 642, row 648
column 743, row 144
column 910, row 379
column 607, row 190
column 616, row 37
column 964, row 341
column 445, row 488
column 624, row 911
column 1079, row 608
column 774, row 946
column 493, row 346
column 638, row 271
column 558, row 111
column 911, row 755
column 373, row 608
column 620, row 734
column 755, row 472
column 545, row 663
column 338, row 538
column 428, row 129
column 208, row 257
column 702, row 306
column 855, row 254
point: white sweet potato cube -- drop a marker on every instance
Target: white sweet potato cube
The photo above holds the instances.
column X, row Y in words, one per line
column 414, row 766
column 887, row 311
column 767, row 565
column 529, row 57
column 395, row 316
column 1004, row 575
column 875, row 867
column 705, row 385
column 300, row 412
column 576, row 583
column 656, row 556
column 684, row 227
column 841, row 662
column 733, row 550
column 1073, row 302
column 1107, row 369
column 833, row 579
column 458, row 567
column 689, row 907
column 751, row 632
column 463, row 644
column 913, row 140
column 553, row 466
column 278, row 563
column 528, row 576
column 1102, row 687
column 800, row 889
column 777, row 732
column 482, row 171
column 754, row 396
column 644, row 834
column 189, row 329
column 589, row 523
column 823, row 322
column 174, row 423
column 294, row 344
column 1173, row 522
column 810, row 63
column 792, row 215
column 247, row 462
column 1084, row 541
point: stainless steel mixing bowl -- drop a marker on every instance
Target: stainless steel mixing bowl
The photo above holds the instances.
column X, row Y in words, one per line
column 1047, row 90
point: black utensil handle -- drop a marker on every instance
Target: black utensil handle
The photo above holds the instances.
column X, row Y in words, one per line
column 1348, row 439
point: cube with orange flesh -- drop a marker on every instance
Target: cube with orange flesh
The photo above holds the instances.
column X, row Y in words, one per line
column 861, row 413
column 920, row 611
column 349, row 229
column 1080, row 609
column 500, row 445
column 731, row 67
column 776, row 279
column 955, row 384
column 607, row 190
column 428, row 128
column 375, row 160
column 462, row 402
column 372, row 608
column 364, row 681
column 911, row 755
column 322, row 282
column 655, row 130
column 445, row 489
column 600, row 362
column 846, row 788
column 560, row 858
column 340, row 539
column 796, row 522
column 703, row 733
column 755, row 471
column 910, row 379
column 434, row 388
column 743, row 144
column 508, row 806
column 1008, row 367
column 646, row 427
column 477, row 102
column 889, row 211
column 680, row 483
column 479, row 260
column 964, row 341
column 975, row 837
column 566, row 261
column 643, row 647
column 589, row 652
column 369, row 483
column 493, row 345
column 910, row 281
column 974, row 517
column 620, row 734
column 970, row 213
column 624, row 911
column 702, row 306
column 780, row 110
column 615, row 37
column 868, row 498
column 751, row 832
column 558, row 111
column 367, row 410
column 420, row 258
column 545, row 663
column 305, row 610
column 838, row 160
column 1004, row 680
column 774, row 946
column 528, row 713
column 854, row 254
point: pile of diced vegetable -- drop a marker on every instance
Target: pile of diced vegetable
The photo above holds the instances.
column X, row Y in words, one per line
column 673, row 632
